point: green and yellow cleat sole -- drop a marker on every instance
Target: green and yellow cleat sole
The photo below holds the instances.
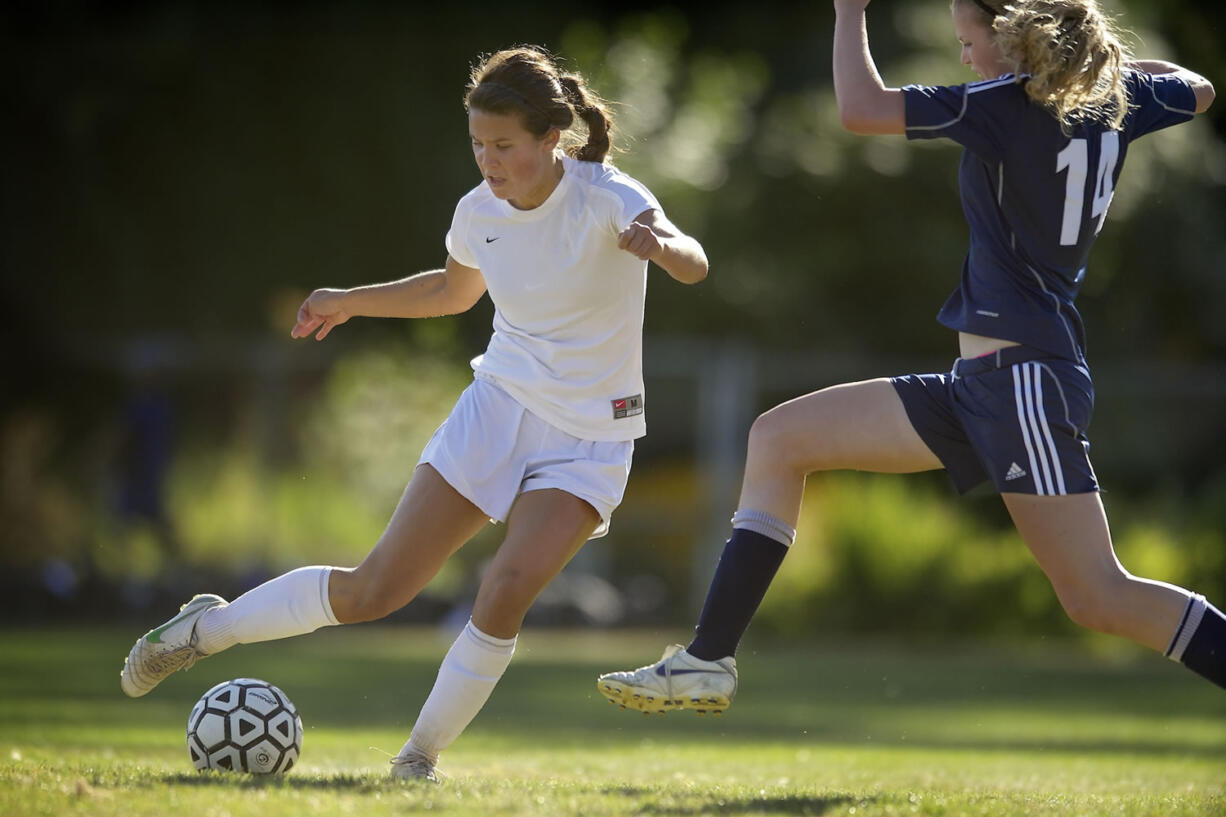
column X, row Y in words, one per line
column 650, row 703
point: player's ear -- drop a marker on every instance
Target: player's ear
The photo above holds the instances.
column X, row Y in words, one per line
column 550, row 140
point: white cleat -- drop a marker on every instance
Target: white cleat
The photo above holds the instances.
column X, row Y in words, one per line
column 677, row 681
column 414, row 766
column 166, row 649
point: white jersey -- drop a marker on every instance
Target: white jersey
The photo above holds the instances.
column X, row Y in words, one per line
column 568, row 304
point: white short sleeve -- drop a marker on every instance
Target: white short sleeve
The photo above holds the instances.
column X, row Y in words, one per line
column 631, row 197
column 457, row 236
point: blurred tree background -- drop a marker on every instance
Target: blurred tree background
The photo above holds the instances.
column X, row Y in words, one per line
column 179, row 175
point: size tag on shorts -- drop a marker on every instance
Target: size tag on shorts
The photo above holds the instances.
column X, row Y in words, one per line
column 627, row 406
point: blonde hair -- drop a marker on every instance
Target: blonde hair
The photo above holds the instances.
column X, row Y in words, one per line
column 1073, row 53
column 526, row 81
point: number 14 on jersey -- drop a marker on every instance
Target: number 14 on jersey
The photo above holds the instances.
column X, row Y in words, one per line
column 1075, row 158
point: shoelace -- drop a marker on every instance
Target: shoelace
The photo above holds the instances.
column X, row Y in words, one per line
column 171, row 660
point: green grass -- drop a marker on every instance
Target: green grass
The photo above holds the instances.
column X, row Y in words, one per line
column 820, row 729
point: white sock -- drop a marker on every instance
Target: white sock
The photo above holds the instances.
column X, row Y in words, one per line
column 292, row 604
column 468, row 675
column 764, row 523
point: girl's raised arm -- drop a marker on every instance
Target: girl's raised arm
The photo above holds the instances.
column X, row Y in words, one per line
column 865, row 104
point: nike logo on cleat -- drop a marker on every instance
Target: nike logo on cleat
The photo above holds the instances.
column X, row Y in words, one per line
column 155, row 636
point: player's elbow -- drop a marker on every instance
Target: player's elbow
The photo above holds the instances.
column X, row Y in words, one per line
column 855, row 122
column 687, row 266
column 467, row 301
column 455, row 299
column 1204, row 96
column 872, row 113
column 866, row 121
column 695, row 273
column 850, row 115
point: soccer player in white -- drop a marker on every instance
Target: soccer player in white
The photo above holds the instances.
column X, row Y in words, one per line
column 541, row 440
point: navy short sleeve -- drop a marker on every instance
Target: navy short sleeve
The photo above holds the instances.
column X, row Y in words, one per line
column 976, row 115
column 1157, row 101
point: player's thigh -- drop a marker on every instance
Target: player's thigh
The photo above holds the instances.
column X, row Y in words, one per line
column 1068, row 536
column 1070, row 539
column 431, row 521
column 545, row 530
column 861, row 426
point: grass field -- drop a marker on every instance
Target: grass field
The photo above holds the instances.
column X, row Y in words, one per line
column 818, row 729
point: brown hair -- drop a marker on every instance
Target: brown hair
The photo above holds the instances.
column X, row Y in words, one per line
column 1072, row 52
column 527, row 82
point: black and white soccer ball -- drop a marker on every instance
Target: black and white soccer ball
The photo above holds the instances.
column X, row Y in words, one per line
column 244, row 725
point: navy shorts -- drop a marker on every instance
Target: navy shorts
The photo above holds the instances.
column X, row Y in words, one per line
column 1017, row 417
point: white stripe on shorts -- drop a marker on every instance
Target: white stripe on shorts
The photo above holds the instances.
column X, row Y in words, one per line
column 1051, row 443
column 1036, row 434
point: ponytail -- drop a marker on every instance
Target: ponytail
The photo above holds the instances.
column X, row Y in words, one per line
column 595, row 115
column 1073, row 55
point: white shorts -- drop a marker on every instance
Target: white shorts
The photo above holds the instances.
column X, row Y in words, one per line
column 491, row 449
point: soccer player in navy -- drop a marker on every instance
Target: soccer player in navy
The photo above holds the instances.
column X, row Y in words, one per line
column 1045, row 133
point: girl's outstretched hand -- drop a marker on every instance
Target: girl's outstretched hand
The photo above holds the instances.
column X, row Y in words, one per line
column 851, row 5
column 321, row 310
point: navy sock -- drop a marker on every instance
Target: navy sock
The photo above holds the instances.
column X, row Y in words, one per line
column 1205, row 653
column 746, row 567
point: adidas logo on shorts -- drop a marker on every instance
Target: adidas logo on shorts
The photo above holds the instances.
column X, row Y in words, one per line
column 1015, row 472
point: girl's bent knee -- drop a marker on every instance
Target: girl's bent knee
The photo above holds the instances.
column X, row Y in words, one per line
column 768, row 440
column 775, row 443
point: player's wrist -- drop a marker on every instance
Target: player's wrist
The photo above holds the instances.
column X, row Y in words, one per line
column 354, row 302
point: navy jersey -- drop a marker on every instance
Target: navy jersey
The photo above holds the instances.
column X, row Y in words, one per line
column 1034, row 198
